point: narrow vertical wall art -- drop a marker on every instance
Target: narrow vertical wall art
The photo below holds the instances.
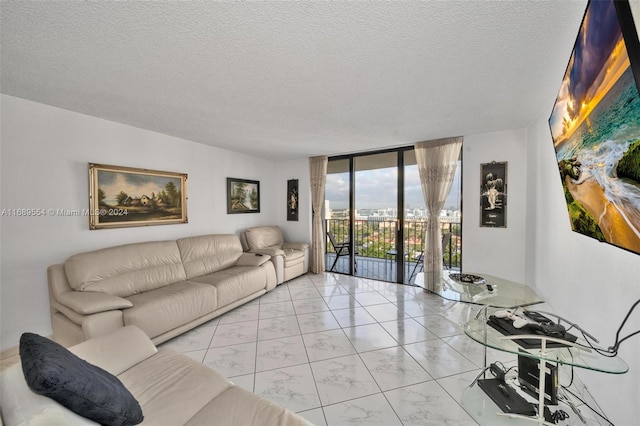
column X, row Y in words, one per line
column 292, row 200
column 493, row 195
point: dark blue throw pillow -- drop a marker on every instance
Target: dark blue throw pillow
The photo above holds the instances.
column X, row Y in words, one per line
column 52, row 371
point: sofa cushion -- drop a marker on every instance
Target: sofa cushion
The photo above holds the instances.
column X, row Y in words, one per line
column 293, row 257
column 235, row 283
column 264, row 236
column 171, row 387
column 51, row 370
column 126, row 270
column 163, row 309
column 99, row 350
column 209, row 253
column 239, row 407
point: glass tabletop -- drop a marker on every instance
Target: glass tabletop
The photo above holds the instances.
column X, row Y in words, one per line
column 494, row 291
column 580, row 355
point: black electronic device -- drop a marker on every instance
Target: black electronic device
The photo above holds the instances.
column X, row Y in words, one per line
column 548, row 329
column 529, row 378
column 505, row 326
column 505, row 397
column 537, row 317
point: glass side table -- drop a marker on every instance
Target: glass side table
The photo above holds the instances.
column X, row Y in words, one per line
column 578, row 355
column 495, row 291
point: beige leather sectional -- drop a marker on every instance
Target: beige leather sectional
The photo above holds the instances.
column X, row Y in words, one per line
column 164, row 288
column 171, row 388
column 290, row 259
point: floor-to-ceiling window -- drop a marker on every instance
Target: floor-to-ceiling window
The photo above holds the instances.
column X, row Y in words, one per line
column 375, row 216
column 337, row 214
column 376, row 219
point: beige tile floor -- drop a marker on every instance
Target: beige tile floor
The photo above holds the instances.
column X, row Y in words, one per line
column 342, row 350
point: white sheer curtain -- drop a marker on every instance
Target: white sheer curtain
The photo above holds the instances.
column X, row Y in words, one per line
column 437, row 161
column 318, row 174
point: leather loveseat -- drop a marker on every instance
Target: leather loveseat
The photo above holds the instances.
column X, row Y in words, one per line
column 164, row 287
column 290, row 259
column 171, row 389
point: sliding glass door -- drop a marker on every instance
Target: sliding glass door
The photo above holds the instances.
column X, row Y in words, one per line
column 338, row 212
column 415, row 221
column 375, row 216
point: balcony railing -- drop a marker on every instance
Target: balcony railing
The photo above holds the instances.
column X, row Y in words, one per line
column 375, row 240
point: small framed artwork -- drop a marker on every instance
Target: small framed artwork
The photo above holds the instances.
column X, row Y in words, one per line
column 493, row 195
column 243, row 196
column 292, row 200
column 125, row 196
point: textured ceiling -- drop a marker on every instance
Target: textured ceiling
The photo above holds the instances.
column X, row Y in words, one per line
column 282, row 80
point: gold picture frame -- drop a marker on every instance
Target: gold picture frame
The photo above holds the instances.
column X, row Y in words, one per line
column 126, row 197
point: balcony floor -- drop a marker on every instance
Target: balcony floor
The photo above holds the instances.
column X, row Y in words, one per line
column 374, row 268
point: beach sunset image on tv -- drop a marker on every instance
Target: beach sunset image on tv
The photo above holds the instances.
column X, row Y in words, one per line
column 595, row 126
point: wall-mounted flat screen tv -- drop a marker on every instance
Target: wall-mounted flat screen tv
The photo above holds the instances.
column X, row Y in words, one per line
column 595, row 126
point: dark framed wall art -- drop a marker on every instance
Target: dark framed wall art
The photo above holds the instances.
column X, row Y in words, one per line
column 243, row 196
column 493, row 195
column 125, row 196
column 292, row 200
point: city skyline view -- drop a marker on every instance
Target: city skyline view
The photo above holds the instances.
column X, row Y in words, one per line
column 377, row 190
column 390, row 213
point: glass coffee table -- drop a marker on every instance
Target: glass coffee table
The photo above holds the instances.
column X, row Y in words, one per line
column 576, row 354
column 494, row 291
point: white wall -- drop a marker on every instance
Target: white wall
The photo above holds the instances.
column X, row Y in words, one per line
column 300, row 230
column 495, row 251
column 45, row 153
column 593, row 284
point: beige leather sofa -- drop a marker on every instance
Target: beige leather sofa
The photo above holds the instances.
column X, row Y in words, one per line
column 289, row 259
column 164, row 288
column 171, row 388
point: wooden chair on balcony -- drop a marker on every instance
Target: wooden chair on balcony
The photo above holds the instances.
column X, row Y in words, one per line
column 341, row 249
column 419, row 259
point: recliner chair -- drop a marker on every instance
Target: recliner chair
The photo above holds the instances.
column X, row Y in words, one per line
column 290, row 259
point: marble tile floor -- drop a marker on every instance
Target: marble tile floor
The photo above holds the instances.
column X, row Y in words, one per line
column 342, row 350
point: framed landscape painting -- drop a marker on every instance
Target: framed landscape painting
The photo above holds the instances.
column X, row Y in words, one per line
column 243, row 196
column 125, row 196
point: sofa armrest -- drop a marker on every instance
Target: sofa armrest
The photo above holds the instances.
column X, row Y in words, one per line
column 117, row 351
column 295, row 246
column 252, row 259
column 91, row 302
column 271, row 251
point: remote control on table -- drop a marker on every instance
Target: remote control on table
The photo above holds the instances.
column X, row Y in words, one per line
column 537, row 317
